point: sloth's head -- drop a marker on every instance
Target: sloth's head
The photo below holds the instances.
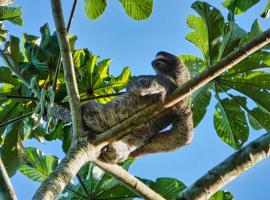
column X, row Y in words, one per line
column 170, row 66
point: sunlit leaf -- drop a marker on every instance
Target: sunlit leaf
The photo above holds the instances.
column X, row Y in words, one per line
column 11, row 14
column 195, row 64
column 138, row 9
column 239, row 6
column 207, row 30
column 168, row 188
column 266, row 11
column 222, row 195
column 94, row 8
column 43, row 165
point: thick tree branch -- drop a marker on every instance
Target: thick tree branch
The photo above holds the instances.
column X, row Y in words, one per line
column 80, row 153
column 6, row 190
column 228, row 170
column 69, row 73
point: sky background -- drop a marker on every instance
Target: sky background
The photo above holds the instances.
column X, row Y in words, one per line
column 134, row 44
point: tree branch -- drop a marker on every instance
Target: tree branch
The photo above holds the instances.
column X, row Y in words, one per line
column 6, row 190
column 69, row 73
column 228, row 170
column 184, row 90
column 130, row 181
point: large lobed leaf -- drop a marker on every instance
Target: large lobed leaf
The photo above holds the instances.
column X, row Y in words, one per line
column 42, row 167
column 207, row 30
column 216, row 39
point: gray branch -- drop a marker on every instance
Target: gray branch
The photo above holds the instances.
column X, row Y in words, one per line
column 6, row 190
column 228, row 170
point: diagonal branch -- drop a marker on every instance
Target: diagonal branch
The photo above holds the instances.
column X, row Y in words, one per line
column 184, row 90
column 229, row 169
column 6, row 190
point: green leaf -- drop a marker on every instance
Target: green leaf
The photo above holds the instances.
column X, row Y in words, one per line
column 259, row 79
column 200, row 101
column 94, row 8
column 232, row 36
column 254, row 61
column 3, row 33
column 222, row 195
column 230, row 123
column 12, row 150
column 79, row 57
column 13, row 15
column 259, row 119
column 239, row 6
column 120, row 82
column 45, row 35
column 8, row 111
column 195, row 64
column 119, row 191
column 207, row 30
column 95, row 79
column 43, row 165
column 13, row 47
column 168, row 188
column 7, row 77
column 254, row 32
column 259, row 95
column 266, row 11
column 138, row 9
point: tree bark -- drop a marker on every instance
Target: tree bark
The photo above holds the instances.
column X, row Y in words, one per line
column 68, row 66
column 228, row 170
column 6, row 190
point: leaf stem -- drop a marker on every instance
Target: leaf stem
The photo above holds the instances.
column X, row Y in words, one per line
column 15, row 119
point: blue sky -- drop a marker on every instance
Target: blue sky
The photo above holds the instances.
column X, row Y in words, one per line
column 134, row 44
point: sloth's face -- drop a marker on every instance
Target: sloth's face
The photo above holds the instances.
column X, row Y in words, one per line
column 165, row 64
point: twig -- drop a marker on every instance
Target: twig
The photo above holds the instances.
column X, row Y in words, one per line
column 15, row 119
column 229, row 169
column 18, row 97
column 6, row 190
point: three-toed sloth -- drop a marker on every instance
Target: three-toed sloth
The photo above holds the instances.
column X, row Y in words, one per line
column 142, row 91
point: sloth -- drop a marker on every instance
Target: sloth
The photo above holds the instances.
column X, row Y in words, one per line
column 143, row 91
